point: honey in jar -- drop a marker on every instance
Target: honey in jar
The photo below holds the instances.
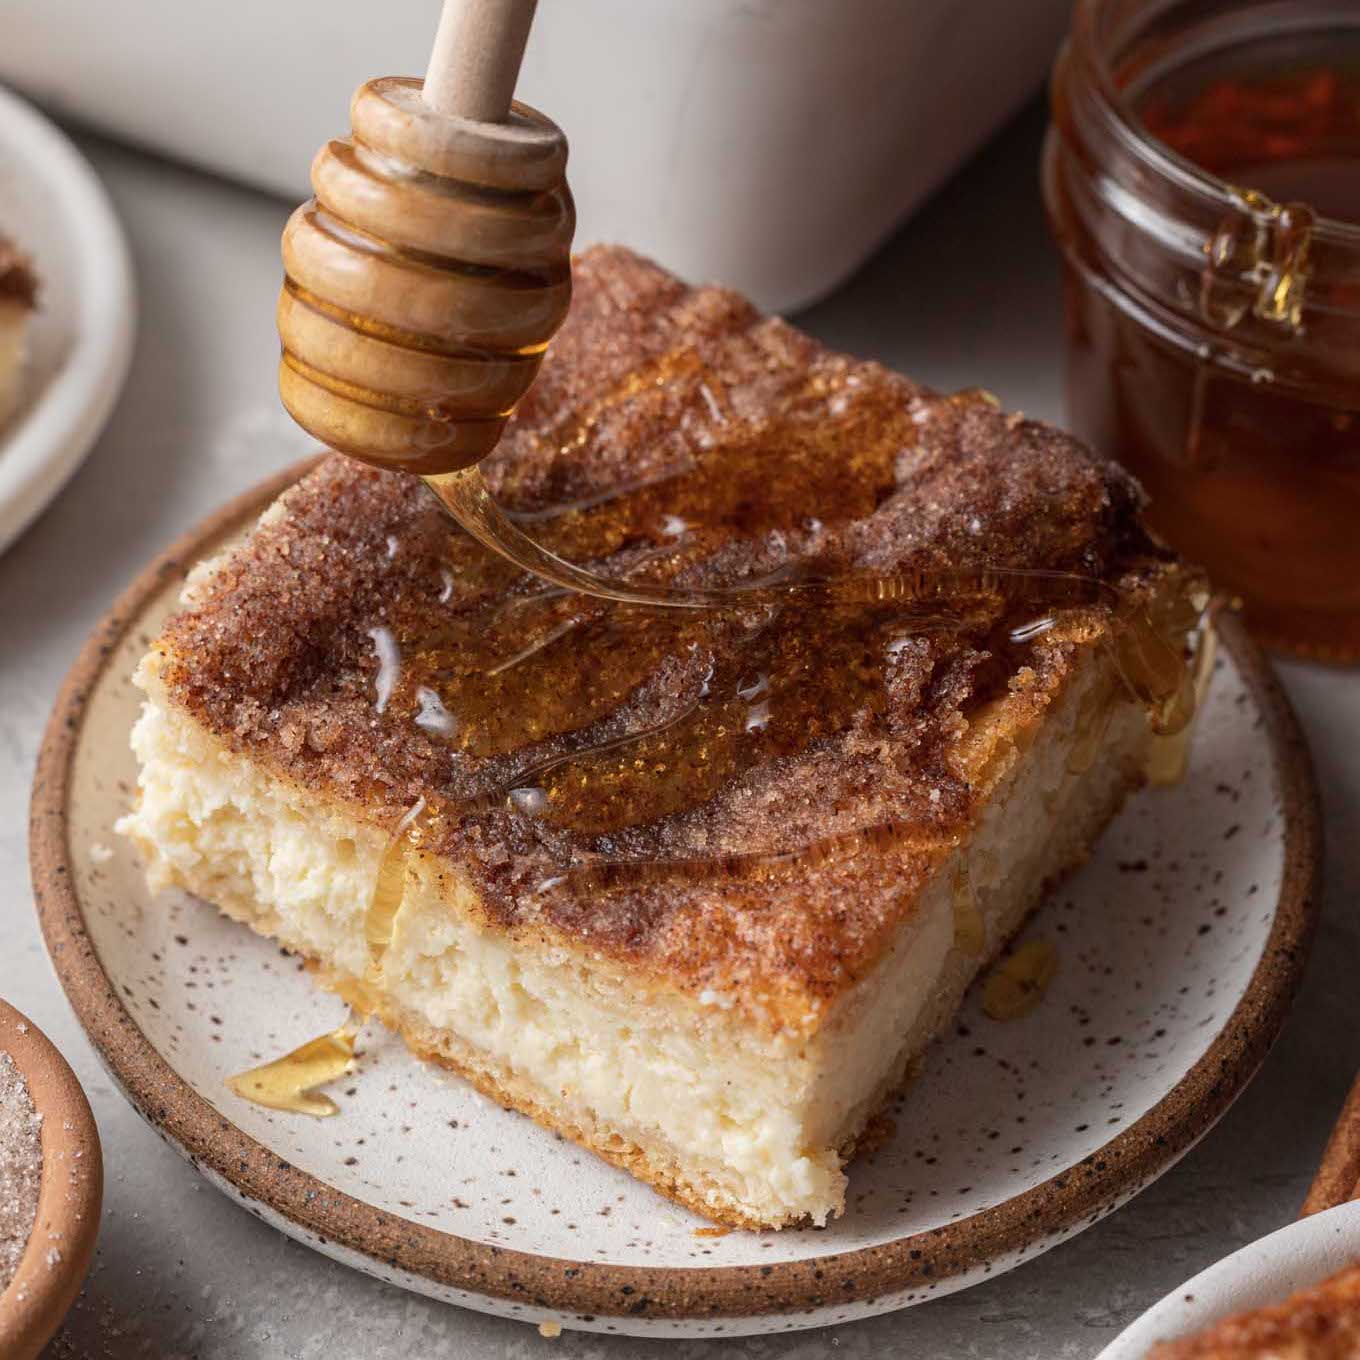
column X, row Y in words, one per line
column 1203, row 179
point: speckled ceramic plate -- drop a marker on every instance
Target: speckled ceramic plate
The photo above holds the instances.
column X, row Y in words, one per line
column 1180, row 947
column 1262, row 1273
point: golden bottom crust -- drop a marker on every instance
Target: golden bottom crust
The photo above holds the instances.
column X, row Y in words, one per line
column 512, row 1092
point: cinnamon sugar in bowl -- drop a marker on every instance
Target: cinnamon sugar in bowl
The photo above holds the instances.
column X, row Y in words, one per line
column 51, row 1186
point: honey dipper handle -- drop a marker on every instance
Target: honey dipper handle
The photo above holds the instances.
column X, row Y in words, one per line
column 476, row 57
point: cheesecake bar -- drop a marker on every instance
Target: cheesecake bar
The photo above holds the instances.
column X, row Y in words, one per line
column 693, row 887
column 18, row 298
column 1318, row 1323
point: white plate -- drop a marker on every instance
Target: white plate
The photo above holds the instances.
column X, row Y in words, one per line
column 1262, row 1273
column 54, row 208
column 1180, row 945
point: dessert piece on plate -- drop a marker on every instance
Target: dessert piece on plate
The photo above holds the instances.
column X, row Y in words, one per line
column 693, row 887
column 1319, row 1323
column 18, row 298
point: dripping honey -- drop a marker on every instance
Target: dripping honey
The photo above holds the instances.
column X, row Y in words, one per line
column 1017, row 983
column 289, row 1083
column 970, row 932
column 1203, row 179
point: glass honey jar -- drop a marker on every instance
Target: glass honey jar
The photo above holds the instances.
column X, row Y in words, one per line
column 1202, row 176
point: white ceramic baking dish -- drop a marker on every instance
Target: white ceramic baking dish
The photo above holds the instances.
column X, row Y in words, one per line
column 770, row 144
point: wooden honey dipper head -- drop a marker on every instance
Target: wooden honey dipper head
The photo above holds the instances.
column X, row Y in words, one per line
column 424, row 280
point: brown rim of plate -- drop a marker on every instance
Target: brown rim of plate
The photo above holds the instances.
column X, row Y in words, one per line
column 1065, row 1202
column 69, row 1193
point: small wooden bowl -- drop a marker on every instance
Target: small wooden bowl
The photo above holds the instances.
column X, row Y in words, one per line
column 69, row 1197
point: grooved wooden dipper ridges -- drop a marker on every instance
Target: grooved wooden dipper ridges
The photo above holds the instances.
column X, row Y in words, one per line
column 427, row 275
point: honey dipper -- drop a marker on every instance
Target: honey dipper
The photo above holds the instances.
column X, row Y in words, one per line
column 427, row 275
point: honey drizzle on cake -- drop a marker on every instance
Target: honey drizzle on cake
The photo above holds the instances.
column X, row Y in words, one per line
column 764, row 478
column 752, row 683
